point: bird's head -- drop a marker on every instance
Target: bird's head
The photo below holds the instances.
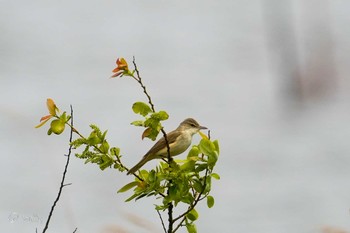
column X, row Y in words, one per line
column 191, row 125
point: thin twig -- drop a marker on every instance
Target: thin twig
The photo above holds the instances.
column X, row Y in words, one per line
column 75, row 230
column 67, row 184
column 64, row 174
column 139, row 80
column 170, row 206
column 161, row 219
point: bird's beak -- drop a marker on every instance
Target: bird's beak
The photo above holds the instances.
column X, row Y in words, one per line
column 202, row 127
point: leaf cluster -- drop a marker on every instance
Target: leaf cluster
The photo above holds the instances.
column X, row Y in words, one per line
column 152, row 120
column 186, row 182
column 97, row 150
column 58, row 121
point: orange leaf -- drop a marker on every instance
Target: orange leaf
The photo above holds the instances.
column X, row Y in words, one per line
column 45, row 118
column 117, row 74
column 146, row 133
column 43, row 121
column 116, row 69
column 51, row 106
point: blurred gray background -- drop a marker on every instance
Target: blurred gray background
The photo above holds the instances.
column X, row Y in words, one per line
column 269, row 78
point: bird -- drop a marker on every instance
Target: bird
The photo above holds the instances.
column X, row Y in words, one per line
column 179, row 140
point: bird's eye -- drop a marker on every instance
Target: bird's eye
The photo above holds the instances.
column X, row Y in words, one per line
column 193, row 125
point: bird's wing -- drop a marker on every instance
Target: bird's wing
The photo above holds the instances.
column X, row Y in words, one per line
column 161, row 143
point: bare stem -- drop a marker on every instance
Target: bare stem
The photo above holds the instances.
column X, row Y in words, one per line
column 63, row 176
column 161, row 219
column 171, row 206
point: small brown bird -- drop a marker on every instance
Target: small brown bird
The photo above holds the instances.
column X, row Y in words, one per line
column 179, row 140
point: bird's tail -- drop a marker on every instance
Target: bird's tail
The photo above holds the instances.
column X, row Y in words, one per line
column 144, row 160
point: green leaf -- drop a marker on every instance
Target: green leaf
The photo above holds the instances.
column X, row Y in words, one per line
column 57, row 126
column 78, row 142
column 201, row 167
column 137, row 123
column 161, row 207
column 207, row 184
column 128, row 186
column 189, row 165
column 210, row 201
column 193, row 152
column 49, row 132
column 132, row 197
column 188, row 199
column 103, row 136
column 104, row 147
column 161, row 115
column 141, row 196
column 216, row 144
column 192, row 215
column 212, row 159
column 115, row 151
column 141, row 108
column 106, row 162
column 191, row 228
column 152, row 176
column 207, row 147
column 215, row 176
column 172, row 192
column 197, row 185
column 93, row 139
column 64, row 118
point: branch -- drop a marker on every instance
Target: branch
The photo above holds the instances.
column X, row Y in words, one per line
column 161, row 219
column 170, row 215
column 139, row 80
column 171, row 206
column 63, row 176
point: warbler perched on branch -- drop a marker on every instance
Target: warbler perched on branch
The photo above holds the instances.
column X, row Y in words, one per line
column 178, row 140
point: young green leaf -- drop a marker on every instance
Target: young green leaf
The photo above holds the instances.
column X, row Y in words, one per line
column 191, row 228
column 137, row 123
column 216, row 144
column 141, row 108
column 210, row 201
column 193, row 152
column 197, row 185
column 207, row 147
column 128, row 186
column 215, row 176
column 104, row 147
column 132, row 197
column 57, row 126
column 161, row 115
column 212, row 159
column 114, row 151
column 192, row 215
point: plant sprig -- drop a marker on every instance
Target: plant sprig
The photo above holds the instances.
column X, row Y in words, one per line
column 186, row 182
